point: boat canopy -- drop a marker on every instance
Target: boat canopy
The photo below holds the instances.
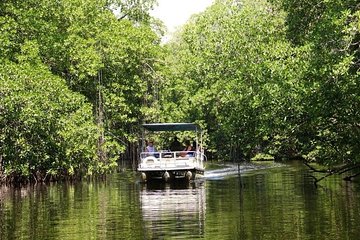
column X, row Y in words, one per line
column 171, row 127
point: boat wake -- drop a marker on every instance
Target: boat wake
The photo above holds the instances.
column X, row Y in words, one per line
column 233, row 169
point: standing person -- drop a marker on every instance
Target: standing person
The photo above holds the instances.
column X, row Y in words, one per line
column 150, row 147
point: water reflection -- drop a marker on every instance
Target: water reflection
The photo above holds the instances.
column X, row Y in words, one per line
column 260, row 203
column 174, row 210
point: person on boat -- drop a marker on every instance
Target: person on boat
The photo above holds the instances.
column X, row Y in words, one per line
column 187, row 150
column 188, row 146
column 150, row 146
column 176, row 145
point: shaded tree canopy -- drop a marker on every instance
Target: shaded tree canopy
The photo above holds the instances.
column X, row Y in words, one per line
column 85, row 48
column 264, row 77
column 278, row 78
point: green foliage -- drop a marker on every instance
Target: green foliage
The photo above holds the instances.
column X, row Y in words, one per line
column 103, row 50
column 229, row 68
column 277, row 78
column 46, row 128
column 96, row 52
column 331, row 102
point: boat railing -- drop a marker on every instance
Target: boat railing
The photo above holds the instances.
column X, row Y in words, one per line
column 168, row 159
column 168, row 154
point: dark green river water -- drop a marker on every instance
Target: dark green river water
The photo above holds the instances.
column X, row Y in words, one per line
column 275, row 201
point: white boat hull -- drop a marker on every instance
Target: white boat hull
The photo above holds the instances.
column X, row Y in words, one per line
column 171, row 165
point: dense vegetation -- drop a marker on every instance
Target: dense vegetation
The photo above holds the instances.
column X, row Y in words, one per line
column 277, row 77
column 74, row 77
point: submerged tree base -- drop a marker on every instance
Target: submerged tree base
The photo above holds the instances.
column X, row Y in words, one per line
column 18, row 180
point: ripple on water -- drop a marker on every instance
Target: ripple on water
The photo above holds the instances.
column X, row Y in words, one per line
column 229, row 170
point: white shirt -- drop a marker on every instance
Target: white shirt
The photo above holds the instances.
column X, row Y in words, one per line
column 150, row 149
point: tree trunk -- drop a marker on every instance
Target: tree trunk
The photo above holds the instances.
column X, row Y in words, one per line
column 100, row 121
column 1, row 169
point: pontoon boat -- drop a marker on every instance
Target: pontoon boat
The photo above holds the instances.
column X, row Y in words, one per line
column 169, row 165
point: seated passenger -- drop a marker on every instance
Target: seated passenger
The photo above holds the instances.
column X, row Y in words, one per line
column 188, row 146
column 150, row 147
column 187, row 150
column 176, row 145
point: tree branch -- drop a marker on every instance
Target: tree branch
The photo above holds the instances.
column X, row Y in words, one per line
column 122, row 17
column 314, row 169
column 349, row 178
column 348, row 168
column 330, row 172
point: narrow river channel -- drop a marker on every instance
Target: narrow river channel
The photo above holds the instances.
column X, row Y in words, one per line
column 261, row 201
